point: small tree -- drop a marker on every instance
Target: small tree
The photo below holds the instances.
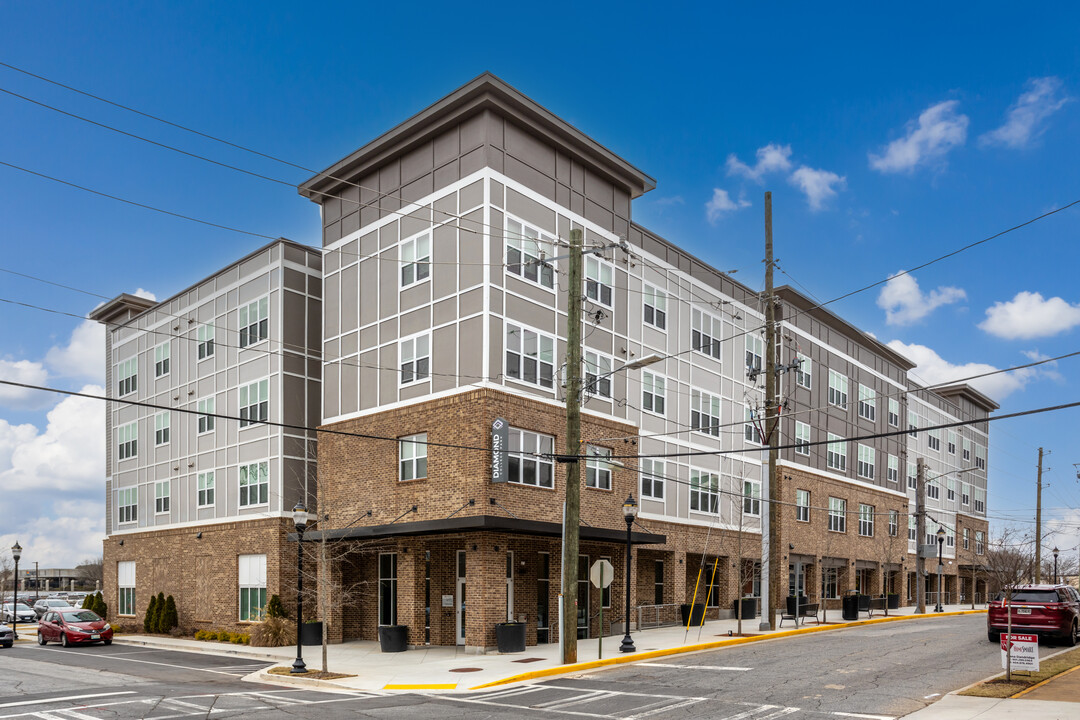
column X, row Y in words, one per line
column 98, row 605
column 149, row 621
column 168, row 617
column 159, row 613
column 87, row 603
column 275, row 608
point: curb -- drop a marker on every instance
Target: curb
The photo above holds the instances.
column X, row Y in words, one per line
column 207, row 650
column 1043, row 682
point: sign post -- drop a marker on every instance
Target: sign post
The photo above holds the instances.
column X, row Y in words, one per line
column 600, row 574
column 1024, row 650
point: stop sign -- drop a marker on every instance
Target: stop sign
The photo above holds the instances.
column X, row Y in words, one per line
column 598, row 567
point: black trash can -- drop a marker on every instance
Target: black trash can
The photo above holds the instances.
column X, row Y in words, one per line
column 510, row 637
column 850, row 607
column 894, row 601
column 695, row 618
column 749, row 608
column 311, row 633
column 394, row 638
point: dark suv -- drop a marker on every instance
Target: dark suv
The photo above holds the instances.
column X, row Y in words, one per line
column 1045, row 610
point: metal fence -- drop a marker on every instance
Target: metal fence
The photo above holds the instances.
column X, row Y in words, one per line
column 650, row 616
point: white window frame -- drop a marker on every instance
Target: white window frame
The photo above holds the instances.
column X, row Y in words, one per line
column 598, row 368
column 933, row 490
column 653, row 393
column 867, row 459
column 913, row 423
column 599, row 281
column 652, row 478
column 162, row 421
column 706, row 340
column 525, row 248
column 951, row 439
column 412, row 457
column 654, row 307
column 979, row 542
column 254, row 402
column 866, row 520
column 414, row 255
column 125, row 583
column 836, row 453
column 699, row 399
column 206, row 422
column 755, row 354
column 892, row 474
column 965, row 493
column 894, row 413
column 388, row 589
column 518, row 338
column 867, row 403
column 205, row 342
column 751, row 433
column 529, row 459
column 127, row 441
column 980, row 500
column 804, row 376
column 894, row 523
column 912, row 528
column 751, row 498
column 254, row 322
column 162, row 359
column 704, row 491
column 127, row 505
column 838, row 389
column 950, row 489
column 933, row 440
column 802, row 505
column 252, row 584
column 912, row 476
column 260, row 488
column 415, row 359
column 127, row 374
column 205, row 489
column 598, row 467
column 162, row 497
column 837, row 515
column 802, row 438
column 965, row 446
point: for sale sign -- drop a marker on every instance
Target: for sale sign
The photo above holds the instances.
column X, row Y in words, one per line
column 1024, row 650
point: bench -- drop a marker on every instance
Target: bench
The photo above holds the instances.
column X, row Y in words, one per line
column 880, row 604
column 806, row 610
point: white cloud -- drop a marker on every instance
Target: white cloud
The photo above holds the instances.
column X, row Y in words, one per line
column 818, row 185
column 771, row 158
column 937, row 131
column 83, row 356
column 904, row 303
column 932, row 369
column 1029, row 315
column 145, row 294
column 22, row 371
column 722, row 203
column 1025, row 120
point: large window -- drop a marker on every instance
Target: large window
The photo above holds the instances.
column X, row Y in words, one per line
column 599, row 280
column 802, row 505
column 652, row 478
column 980, row 456
column 838, row 386
column 965, row 494
column 980, row 500
column 751, row 432
column 161, row 428
column 967, row 538
column 598, row 468
column 127, row 505
column 912, row 528
column 894, row 523
column 654, row 310
column 894, row 413
column 525, row 246
column 388, row 588
column 704, row 491
column 161, row 359
column 415, row 359
column 597, row 374
column 530, row 356
column 751, row 498
column 205, row 336
column 206, row 488
column 865, row 467
column 413, row 457
column 754, row 353
column 415, row 259
column 162, row 496
column 912, row 476
column 127, row 375
column 950, row 488
column 206, row 422
column 913, row 424
column 892, row 472
column 867, row 403
column 966, row 447
column 127, row 441
column 830, row 583
column 933, row 439
column 836, row 453
column 802, row 438
column 979, row 545
column 254, row 322
column 933, row 490
column 705, row 413
column 866, row 520
column 252, row 587
column 125, row 581
column 653, row 392
column 254, row 484
column 804, row 372
column 529, row 458
column 705, row 333
column 952, row 442
column 254, row 402
column 837, row 514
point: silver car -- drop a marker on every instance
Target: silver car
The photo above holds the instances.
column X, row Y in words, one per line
column 18, row 613
column 44, row 605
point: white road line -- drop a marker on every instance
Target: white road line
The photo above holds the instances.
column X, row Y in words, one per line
column 779, row 713
column 65, row 698
column 752, row 713
column 665, row 708
column 693, row 667
column 144, row 662
column 74, row 714
column 862, row 715
column 582, row 698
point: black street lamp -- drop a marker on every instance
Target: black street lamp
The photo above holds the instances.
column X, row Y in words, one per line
column 16, row 552
column 1055, row 565
column 630, row 510
column 300, row 520
column 940, row 565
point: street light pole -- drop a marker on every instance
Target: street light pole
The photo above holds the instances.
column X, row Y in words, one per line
column 300, row 519
column 630, row 510
column 16, row 552
column 1055, row 565
column 940, row 565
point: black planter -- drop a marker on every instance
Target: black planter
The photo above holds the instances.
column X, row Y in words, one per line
column 311, row 633
column 749, row 608
column 893, row 601
column 695, row 618
column 394, row 638
column 510, row 637
column 802, row 599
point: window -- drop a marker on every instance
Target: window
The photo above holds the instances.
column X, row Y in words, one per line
column 966, row 445
column 912, row 476
column 837, row 514
column 979, row 542
column 161, row 360
column 125, row 581
column 980, row 500
column 413, row 457
column 710, row 586
column 127, row 505
column 803, row 373
column 161, row 428
column 704, row 491
column 254, row 402
column 658, row 582
column 598, row 280
column 893, row 471
column 865, row 467
column 254, row 484
column 751, row 433
column 754, row 353
column 205, row 346
column 950, row 488
column 952, row 443
column 597, row 468
column 161, row 496
column 597, row 374
column 866, row 520
column 252, row 587
column 652, row 478
column 836, row 453
column 912, row 424
column 415, row 260
column 751, row 498
column 704, row 412
column 867, row 403
column 980, row 456
column 206, row 488
column 894, row 523
column 933, row 439
column 529, row 459
column 654, row 311
column 967, row 541
column 802, row 505
column 837, row 389
column 802, row 438
column 525, row 249
column 912, row 528
column 388, row 588
column 254, row 322
column 653, row 392
column 415, row 359
column 530, row 356
column 127, row 374
column 829, row 583
column 933, row 490
column 950, row 537
column 206, row 422
column 894, row 413
column 705, row 333
column 127, row 439
column 965, row 497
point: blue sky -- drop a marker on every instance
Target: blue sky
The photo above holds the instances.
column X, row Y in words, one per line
column 887, row 140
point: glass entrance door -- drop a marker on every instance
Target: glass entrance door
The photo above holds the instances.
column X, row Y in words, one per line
column 460, row 597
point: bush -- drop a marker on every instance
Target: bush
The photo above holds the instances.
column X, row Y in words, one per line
column 200, row 634
column 149, row 621
column 275, row 609
column 98, row 605
column 273, row 632
column 168, row 619
column 239, row 639
column 159, row 611
column 87, row 603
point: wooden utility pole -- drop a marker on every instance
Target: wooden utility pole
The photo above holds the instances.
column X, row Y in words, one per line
column 920, row 535
column 572, row 509
column 770, row 521
column 1038, row 522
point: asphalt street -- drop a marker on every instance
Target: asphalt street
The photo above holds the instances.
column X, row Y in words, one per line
column 879, row 671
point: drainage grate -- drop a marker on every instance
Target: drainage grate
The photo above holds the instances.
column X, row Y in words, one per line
column 528, row 660
column 466, row 669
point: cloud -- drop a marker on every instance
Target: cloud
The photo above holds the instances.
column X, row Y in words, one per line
column 722, row 203
column 22, row 371
column 817, row 185
column 145, row 294
column 1025, row 120
column 83, row 356
column 938, row 130
column 932, row 369
column 904, row 303
column 771, row 158
column 1029, row 315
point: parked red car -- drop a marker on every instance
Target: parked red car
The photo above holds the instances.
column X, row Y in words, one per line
column 69, row 627
column 1045, row 610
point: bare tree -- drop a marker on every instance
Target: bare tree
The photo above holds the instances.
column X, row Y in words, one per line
column 1009, row 562
column 92, row 570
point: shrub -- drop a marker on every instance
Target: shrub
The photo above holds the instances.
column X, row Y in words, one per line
column 159, row 611
column 149, row 621
column 98, row 605
column 200, row 634
column 273, row 632
column 168, row 618
column 238, row 639
column 87, row 603
column 274, row 608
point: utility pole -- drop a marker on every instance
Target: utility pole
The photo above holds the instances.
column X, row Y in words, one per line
column 572, row 510
column 920, row 532
column 770, row 522
column 1038, row 522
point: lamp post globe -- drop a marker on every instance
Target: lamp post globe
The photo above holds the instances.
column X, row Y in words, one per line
column 1055, row 565
column 16, row 553
column 940, row 565
column 300, row 520
column 630, row 511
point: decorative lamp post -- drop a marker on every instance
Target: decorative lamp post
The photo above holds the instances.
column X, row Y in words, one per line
column 16, row 552
column 1055, row 565
column 940, row 565
column 300, row 520
column 630, row 510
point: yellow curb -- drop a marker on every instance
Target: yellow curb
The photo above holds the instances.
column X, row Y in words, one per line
column 648, row 655
column 421, row 686
column 1043, row 682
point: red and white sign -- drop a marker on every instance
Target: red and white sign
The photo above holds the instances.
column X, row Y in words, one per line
column 1024, row 650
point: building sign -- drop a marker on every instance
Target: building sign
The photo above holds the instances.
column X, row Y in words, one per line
column 1024, row 651
column 500, row 439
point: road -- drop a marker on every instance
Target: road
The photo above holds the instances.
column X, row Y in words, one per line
column 877, row 671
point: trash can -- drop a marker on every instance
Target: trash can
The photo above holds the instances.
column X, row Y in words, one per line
column 394, row 638
column 695, row 618
column 510, row 637
column 850, row 607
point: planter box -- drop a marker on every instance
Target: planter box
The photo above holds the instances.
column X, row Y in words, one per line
column 311, row 633
column 695, row 618
column 510, row 637
column 394, row 638
column 749, row 608
column 893, row 601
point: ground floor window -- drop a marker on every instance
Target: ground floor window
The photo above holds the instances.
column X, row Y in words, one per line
column 543, row 587
column 252, row 587
column 388, row 588
column 712, row 586
column 125, row 580
column 829, row 582
column 658, row 582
